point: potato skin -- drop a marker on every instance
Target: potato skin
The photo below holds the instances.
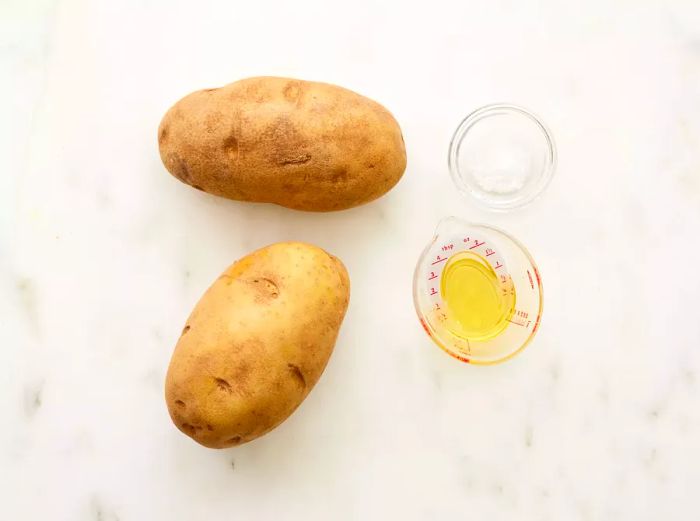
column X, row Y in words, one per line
column 300, row 144
column 256, row 343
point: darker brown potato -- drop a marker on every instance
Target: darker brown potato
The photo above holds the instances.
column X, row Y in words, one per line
column 300, row 144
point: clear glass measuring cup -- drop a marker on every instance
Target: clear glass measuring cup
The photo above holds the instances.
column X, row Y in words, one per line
column 477, row 292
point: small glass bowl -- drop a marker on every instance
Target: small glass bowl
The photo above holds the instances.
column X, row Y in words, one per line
column 503, row 156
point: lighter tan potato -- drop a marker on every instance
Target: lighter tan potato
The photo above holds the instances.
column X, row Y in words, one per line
column 300, row 144
column 256, row 343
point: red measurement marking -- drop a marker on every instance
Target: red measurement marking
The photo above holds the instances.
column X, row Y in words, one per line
column 516, row 323
column 498, row 265
column 477, row 244
column 467, row 239
column 438, row 260
column 432, row 276
column 532, row 285
column 537, row 274
column 433, row 292
column 425, row 326
column 437, row 306
column 448, row 247
column 489, row 252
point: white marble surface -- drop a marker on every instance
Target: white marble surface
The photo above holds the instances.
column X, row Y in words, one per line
column 103, row 254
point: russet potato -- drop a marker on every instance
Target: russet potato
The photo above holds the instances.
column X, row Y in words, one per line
column 300, row 144
column 256, row 343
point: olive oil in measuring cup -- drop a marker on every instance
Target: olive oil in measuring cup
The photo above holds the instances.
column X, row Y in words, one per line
column 478, row 302
column 477, row 292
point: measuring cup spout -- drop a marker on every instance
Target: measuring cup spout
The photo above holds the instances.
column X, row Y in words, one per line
column 448, row 225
